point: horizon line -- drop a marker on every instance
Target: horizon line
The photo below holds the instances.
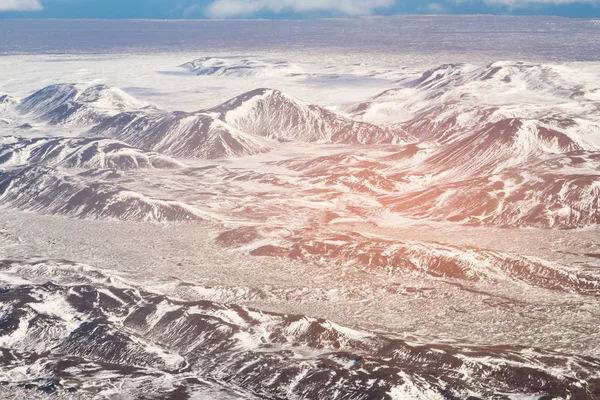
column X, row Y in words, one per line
column 29, row 18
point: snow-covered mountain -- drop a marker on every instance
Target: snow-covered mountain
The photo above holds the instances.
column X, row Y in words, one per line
column 108, row 112
column 8, row 111
column 407, row 234
column 66, row 104
column 562, row 191
column 462, row 151
column 502, row 76
column 488, row 136
column 84, row 336
column 273, row 114
column 50, row 191
column 244, row 125
column 242, row 67
column 446, row 101
column 344, row 172
column 7, row 104
column 499, row 146
column 182, row 134
column 79, row 153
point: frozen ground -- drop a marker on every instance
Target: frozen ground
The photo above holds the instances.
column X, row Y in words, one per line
column 420, row 39
column 447, row 205
column 161, row 257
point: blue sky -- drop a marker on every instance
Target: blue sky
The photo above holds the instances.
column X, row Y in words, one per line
column 291, row 9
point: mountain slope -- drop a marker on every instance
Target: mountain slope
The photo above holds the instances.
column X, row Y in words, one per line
column 412, row 258
column 50, row 191
column 7, row 104
column 241, row 67
column 273, row 114
column 80, row 337
column 181, row 134
column 499, row 146
column 66, row 104
column 562, row 192
column 452, row 99
column 79, row 153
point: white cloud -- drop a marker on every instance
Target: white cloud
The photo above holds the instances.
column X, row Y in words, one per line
column 20, row 5
column 436, row 8
column 233, row 8
column 527, row 3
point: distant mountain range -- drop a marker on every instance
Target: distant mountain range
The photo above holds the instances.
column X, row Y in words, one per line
column 459, row 143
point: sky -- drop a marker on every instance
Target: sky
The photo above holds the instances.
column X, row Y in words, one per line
column 287, row 9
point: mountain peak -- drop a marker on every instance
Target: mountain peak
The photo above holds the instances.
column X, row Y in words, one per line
column 273, row 114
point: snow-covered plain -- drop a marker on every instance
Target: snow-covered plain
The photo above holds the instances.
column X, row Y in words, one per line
column 433, row 202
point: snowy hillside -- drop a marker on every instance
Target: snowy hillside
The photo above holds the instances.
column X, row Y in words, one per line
column 242, row 67
column 50, row 191
column 66, row 104
column 85, row 336
column 182, row 135
column 536, row 195
column 79, row 153
column 273, row 114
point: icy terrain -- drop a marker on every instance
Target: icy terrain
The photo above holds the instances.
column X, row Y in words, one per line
column 206, row 216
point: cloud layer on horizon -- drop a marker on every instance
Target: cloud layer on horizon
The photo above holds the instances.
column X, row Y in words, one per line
column 241, row 8
column 526, row 3
column 288, row 8
column 20, row 5
column 233, row 8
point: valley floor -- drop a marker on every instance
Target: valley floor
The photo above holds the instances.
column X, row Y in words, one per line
column 183, row 261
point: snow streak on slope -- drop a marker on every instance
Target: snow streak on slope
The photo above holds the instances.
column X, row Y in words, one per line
column 271, row 113
column 182, row 134
column 540, row 194
column 79, row 153
column 422, row 259
column 499, row 146
column 65, row 104
column 50, row 191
